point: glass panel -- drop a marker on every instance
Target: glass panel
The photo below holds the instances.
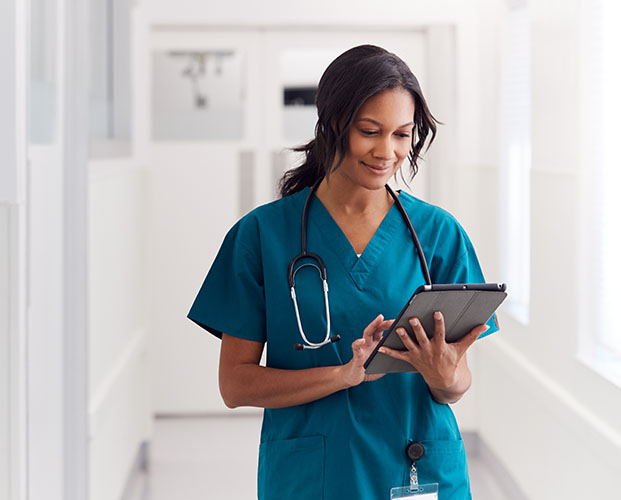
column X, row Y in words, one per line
column 110, row 87
column 609, row 177
column 43, row 104
column 198, row 95
column 516, row 159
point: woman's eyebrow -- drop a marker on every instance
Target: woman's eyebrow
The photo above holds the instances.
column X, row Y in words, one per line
column 379, row 124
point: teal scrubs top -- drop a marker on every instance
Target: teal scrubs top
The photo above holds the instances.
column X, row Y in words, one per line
column 352, row 443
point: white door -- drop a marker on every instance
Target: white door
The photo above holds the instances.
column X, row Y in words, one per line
column 203, row 154
column 206, row 172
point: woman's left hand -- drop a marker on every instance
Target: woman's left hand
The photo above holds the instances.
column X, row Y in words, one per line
column 442, row 365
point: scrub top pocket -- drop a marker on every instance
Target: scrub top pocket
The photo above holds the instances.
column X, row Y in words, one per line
column 291, row 469
column 445, row 463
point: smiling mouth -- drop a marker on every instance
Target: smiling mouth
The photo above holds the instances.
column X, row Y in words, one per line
column 376, row 167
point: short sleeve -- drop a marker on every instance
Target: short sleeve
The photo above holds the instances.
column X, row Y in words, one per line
column 231, row 299
column 464, row 267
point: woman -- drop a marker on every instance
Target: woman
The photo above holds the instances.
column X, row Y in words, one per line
column 329, row 431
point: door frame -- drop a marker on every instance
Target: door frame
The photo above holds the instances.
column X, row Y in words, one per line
column 75, row 16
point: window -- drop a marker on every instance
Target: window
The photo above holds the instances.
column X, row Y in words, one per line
column 515, row 158
column 600, row 342
column 110, row 78
column 43, row 81
column 198, row 95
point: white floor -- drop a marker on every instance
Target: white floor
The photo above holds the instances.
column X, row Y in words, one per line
column 216, row 458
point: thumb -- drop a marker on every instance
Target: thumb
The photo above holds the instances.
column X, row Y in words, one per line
column 472, row 337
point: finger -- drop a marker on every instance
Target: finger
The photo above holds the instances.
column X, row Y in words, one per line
column 439, row 332
column 419, row 332
column 385, row 325
column 471, row 337
column 372, row 327
column 407, row 341
column 393, row 353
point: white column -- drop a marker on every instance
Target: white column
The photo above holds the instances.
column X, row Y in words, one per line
column 13, row 53
column 75, row 148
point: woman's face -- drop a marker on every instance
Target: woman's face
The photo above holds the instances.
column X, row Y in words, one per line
column 380, row 138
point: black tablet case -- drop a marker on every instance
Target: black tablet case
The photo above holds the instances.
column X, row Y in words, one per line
column 464, row 306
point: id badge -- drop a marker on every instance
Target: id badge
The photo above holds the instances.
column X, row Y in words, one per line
column 420, row 492
column 415, row 451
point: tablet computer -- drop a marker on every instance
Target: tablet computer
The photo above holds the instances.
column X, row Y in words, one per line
column 464, row 306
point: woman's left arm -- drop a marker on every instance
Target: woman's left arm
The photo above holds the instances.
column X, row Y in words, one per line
column 443, row 366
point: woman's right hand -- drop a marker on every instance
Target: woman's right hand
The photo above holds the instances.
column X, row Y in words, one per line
column 353, row 372
column 244, row 382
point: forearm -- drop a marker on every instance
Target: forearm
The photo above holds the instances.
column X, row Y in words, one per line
column 454, row 390
column 264, row 387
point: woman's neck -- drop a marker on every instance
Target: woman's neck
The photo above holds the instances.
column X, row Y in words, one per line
column 341, row 198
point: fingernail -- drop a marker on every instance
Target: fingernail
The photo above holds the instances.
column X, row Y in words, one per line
column 382, row 350
column 437, row 315
column 401, row 331
column 415, row 322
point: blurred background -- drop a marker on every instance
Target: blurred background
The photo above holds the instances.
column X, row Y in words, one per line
column 135, row 133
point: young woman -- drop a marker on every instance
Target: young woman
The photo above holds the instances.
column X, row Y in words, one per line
column 330, row 431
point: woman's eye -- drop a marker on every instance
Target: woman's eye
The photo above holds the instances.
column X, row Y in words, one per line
column 369, row 132
column 403, row 135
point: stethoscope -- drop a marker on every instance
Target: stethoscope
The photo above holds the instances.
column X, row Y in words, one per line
column 320, row 266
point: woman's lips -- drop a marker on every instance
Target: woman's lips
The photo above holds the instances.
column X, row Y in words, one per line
column 380, row 169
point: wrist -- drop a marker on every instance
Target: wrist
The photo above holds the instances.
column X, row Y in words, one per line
column 450, row 389
column 443, row 382
column 444, row 397
column 344, row 377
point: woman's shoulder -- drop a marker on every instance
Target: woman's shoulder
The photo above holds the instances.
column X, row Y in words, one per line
column 425, row 211
column 271, row 212
column 435, row 225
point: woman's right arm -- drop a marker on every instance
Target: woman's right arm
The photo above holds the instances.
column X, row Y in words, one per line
column 243, row 382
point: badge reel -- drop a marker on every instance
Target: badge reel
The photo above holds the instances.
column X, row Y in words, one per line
column 415, row 451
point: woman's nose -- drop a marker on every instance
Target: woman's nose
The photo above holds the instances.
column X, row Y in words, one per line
column 384, row 149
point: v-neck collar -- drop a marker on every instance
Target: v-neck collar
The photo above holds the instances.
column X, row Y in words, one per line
column 358, row 268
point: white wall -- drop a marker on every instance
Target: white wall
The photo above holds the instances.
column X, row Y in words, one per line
column 119, row 396
column 320, row 13
column 41, row 438
column 13, row 58
column 45, row 323
column 188, row 215
column 13, row 453
column 119, row 400
column 552, row 421
column 45, row 253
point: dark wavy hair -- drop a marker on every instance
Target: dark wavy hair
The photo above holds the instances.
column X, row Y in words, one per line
column 352, row 78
